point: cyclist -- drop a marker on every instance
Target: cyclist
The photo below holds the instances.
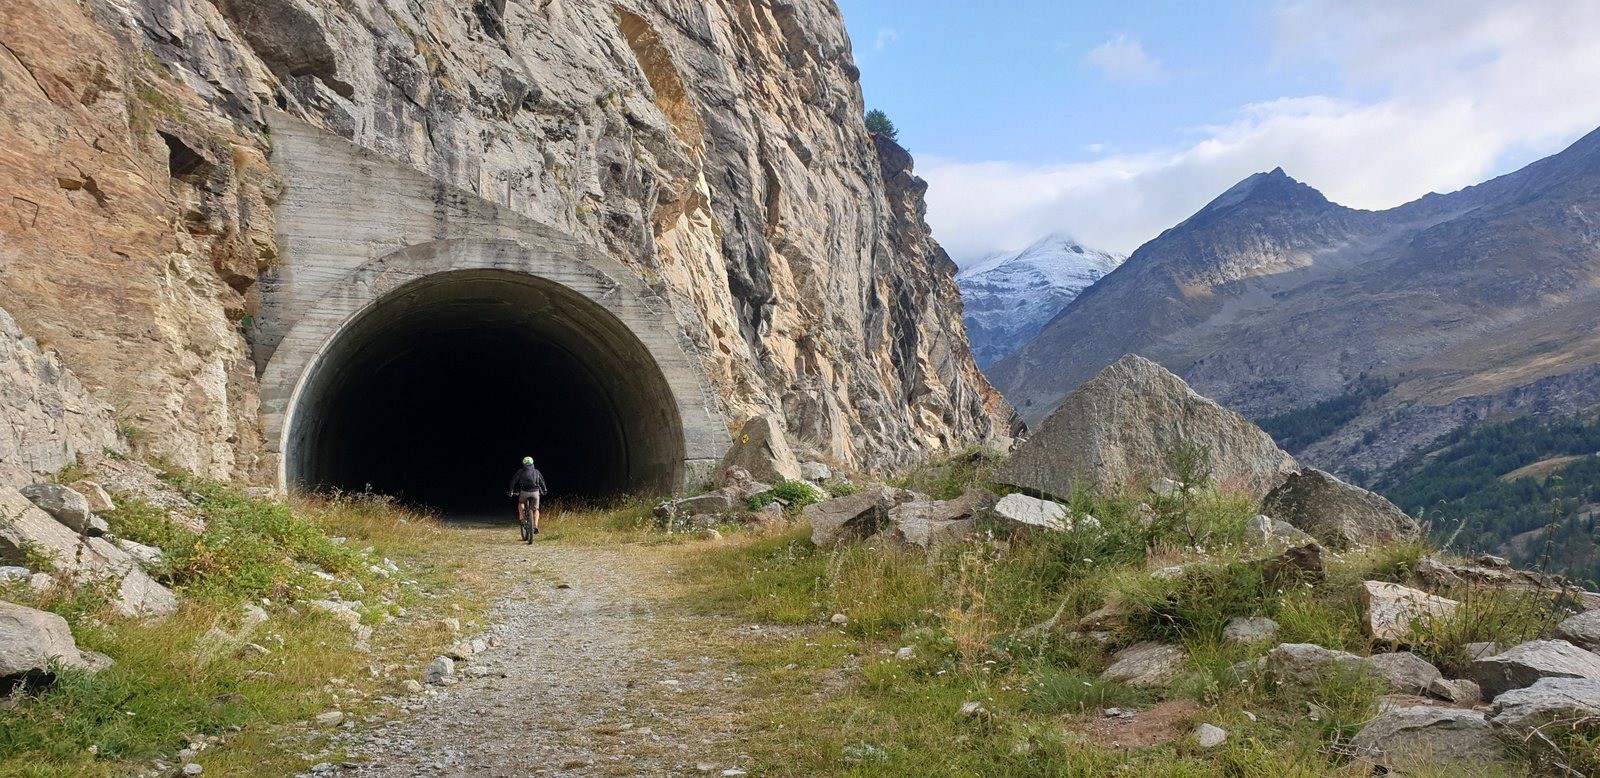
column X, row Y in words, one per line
column 527, row 484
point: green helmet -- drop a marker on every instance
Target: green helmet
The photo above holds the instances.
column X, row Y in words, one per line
column 527, row 460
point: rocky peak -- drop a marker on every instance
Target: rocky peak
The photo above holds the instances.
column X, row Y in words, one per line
column 1273, row 189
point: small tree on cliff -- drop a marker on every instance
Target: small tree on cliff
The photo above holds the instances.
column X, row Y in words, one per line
column 878, row 124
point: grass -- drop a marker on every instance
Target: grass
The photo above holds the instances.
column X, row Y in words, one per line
column 175, row 683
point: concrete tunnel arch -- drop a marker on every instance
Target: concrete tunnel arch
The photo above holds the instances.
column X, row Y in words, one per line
column 429, row 372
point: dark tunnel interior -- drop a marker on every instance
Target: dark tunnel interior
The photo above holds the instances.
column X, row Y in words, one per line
column 435, row 393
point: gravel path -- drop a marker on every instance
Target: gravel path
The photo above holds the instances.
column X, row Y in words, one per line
column 595, row 673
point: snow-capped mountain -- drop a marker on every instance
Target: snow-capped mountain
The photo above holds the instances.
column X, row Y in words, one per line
column 1010, row 296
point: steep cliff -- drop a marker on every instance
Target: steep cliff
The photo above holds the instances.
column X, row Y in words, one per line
column 716, row 149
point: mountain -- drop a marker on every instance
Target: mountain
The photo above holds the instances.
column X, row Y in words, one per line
column 1008, row 297
column 1377, row 331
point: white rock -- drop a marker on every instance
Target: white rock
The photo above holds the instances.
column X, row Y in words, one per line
column 1391, row 611
column 1209, row 736
column 329, row 719
column 1027, row 511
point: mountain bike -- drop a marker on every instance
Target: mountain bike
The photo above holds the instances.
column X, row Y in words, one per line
column 525, row 511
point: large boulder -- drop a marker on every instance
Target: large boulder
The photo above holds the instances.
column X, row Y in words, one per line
column 1392, row 612
column 1582, row 630
column 1551, row 702
column 927, row 523
column 66, row 506
column 1024, row 512
column 1414, row 737
column 32, row 531
column 1337, row 513
column 761, row 450
column 1121, row 428
column 30, row 640
column 856, row 516
column 1146, row 664
column 1525, row 665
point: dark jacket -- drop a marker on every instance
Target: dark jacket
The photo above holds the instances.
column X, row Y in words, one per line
column 528, row 479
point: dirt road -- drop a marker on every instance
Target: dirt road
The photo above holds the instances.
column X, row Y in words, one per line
column 595, row 673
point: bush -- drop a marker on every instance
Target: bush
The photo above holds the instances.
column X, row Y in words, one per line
column 878, row 123
column 794, row 494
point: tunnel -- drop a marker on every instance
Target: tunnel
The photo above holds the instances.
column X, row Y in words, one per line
column 436, row 391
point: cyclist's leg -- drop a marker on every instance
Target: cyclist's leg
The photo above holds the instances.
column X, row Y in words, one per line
column 536, row 496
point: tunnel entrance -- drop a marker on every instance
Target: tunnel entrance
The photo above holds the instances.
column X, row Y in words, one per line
column 435, row 392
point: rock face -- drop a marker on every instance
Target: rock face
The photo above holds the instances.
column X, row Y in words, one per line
column 1337, row 513
column 761, row 450
column 1122, row 428
column 31, row 530
column 1526, row 664
column 1390, row 610
column 50, row 417
column 1413, row 737
column 717, row 149
column 30, row 639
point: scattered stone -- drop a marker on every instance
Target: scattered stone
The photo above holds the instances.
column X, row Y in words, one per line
column 1417, row 736
column 711, row 534
column 716, row 503
column 66, row 506
column 927, row 523
column 1249, row 629
column 30, row 639
column 451, row 625
column 906, row 653
column 1301, row 563
column 997, row 447
column 14, row 573
column 1481, row 650
column 460, row 651
column 31, row 530
column 839, row 618
column 411, row 686
column 1459, row 691
column 1166, row 487
column 1392, row 612
column 1337, row 513
column 253, row 649
column 1531, row 714
column 193, row 768
column 329, row 719
column 1307, row 665
column 1526, row 664
column 1498, row 573
column 439, row 669
column 815, row 472
column 1146, row 664
column 973, row 709
column 98, row 499
column 149, row 556
column 1405, row 671
column 1582, row 630
column 1209, row 736
column 762, row 450
column 1026, row 512
column 1264, row 530
column 856, row 516
column 1122, row 425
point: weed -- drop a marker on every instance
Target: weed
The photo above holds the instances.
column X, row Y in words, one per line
column 794, row 495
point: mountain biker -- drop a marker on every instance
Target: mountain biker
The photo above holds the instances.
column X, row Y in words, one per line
column 527, row 484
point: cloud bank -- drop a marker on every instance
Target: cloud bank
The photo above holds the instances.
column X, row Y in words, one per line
column 1458, row 87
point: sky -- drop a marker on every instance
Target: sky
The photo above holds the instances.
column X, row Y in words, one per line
column 1112, row 121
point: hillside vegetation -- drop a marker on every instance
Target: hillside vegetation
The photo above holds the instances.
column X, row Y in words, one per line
column 1548, row 520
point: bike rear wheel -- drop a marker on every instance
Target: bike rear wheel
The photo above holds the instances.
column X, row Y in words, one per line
column 526, row 523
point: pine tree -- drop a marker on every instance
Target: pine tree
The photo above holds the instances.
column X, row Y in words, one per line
column 878, row 124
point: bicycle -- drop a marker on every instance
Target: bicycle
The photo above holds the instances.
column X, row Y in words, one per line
column 525, row 512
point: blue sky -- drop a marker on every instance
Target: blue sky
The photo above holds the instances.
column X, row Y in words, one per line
column 1114, row 120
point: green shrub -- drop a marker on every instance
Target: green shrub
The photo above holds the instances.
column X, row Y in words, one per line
column 795, row 494
column 1485, row 614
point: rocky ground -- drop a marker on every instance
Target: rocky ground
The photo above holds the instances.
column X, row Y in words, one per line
column 590, row 669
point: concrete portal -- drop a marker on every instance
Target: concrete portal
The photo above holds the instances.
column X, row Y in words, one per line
column 421, row 340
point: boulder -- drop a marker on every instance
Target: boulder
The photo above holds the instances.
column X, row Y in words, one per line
column 1582, row 630
column 1209, row 736
column 1336, row 513
column 1306, row 665
column 815, row 472
column 1417, row 736
column 855, row 516
column 1301, row 563
column 1249, row 629
column 1459, row 691
column 1024, row 512
column 9, row 573
column 762, row 450
column 1121, row 427
column 1525, row 665
column 1266, row 531
column 65, row 506
column 1405, row 671
column 927, row 523
column 1481, row 649
column 30, row 640
column 1146, row 664
column 1391, row 612
column 74, row 557
column 149, row 557
column 718, row 502
column 439, row 669
column 1549, row 703
column 99, row 500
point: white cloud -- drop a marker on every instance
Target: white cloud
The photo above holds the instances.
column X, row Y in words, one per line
column 1124, row 61
column 1456, row 89
column 886, row 36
